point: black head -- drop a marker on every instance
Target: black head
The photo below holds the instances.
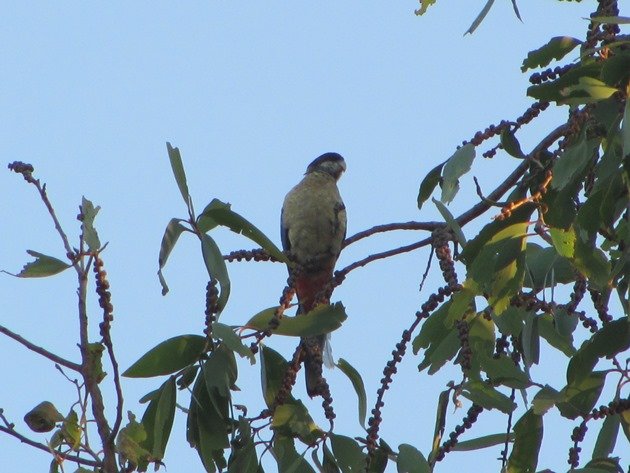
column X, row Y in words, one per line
column 329, row 163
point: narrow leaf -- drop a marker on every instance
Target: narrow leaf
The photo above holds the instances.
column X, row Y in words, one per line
column 454, row 168
column 483, row 442
column 357, row 383
column 625, row 132
column 510, row 144
column 528, row 434
column 322, row 319
column 238, row 224
column 178, row 171
column 410, row 460
column 168, row 357
column 428, row 185
column 607, row 437
column 349, row 456
column 440, row 423
column 215, row 265
column 488, row 397
column 173, row 230
column 556, row 48
column 233, row 341
column 158, row 419
column 480, row 17
column 43, row 266
column 90, row 236
column 451, row 222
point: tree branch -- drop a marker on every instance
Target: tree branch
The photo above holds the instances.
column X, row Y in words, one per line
column 41, row 446
column 42, row 351
column 427, row 226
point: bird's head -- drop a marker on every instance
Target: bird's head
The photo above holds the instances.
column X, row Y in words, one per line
column 329, row 163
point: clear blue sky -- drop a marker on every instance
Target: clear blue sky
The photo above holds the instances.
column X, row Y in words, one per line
column 250, row 93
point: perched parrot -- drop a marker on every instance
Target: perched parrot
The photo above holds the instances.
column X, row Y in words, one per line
column 313, row 228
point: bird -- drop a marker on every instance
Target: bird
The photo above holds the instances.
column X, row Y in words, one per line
column 313, row 229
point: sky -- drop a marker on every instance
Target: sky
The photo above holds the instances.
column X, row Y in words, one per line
column 250, row 93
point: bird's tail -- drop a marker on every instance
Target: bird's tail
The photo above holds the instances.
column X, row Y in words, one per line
column 313, row 363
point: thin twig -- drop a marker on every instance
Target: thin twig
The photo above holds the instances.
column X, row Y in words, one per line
column 42, row 351
column 426, row 226
column 384, row 254
column 91, row 383
column 46, row 448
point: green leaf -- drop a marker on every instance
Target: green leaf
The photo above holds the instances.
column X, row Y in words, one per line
column 563, row 241
column 592, row 262
column 158, row 419
column 502, row 370
column 572, row 162
column 128, row 442
column 499, row 267
column 601, row 465
column 528, row 434
column 556, row 48
column 168, row 357
column 178, row 171
column 43, row 417
column 440, row 352
column 95, row 360
column 220, row 372
column 565, row 323
column 555, row 90
column 424, row 4
column 440, row 424
column 292, row 419
column 289, row 461
column 42, row 266
column 587, row 90
column 243, row 459
column 612, row 338
column 530, row 340
column 273, row 367
column 487, row 397
column 357, row 383
column 230, row 219
column 173, row 230
column 482, row 14
column 322, row 319
column 410, row 460
column 546, row 267
column 549, row 332
column 451, row 222
column 510, row 322
column 90, row 236
column 207, row 426
column 349, row 456
column 71, row 431
column 625, row 423
column 455, row 167
column 233, row 341
column 205, row 223
column 433, row 328
column 581, row 396
column 607, row 437
column 625, row 133
column 510, row 144
column 429, row 183
column 613, row 20
column 545, row 399
column 483, row 442
column 215, row 265
column 329, row 463
column 490, row 233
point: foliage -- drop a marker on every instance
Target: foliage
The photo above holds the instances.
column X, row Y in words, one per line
column 565, row 221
